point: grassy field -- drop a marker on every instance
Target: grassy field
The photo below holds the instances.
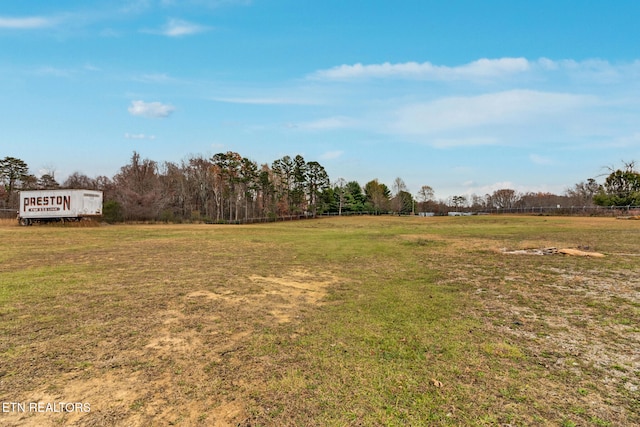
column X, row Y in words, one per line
column 374, row 321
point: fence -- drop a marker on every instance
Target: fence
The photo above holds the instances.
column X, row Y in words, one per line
column 613, row 211
column 8, row 213
column 263, row 219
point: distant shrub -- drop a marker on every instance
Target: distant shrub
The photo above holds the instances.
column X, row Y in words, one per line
column 112, row 212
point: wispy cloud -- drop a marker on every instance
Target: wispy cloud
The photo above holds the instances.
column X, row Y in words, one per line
column 55, row 71
column 330, row 155
column 140, row 6
column 150, row 109
column 465, row 141
column 206, row 3
column 507, row 109
column 91, row 67
column 264, row 101
column 155, row 78
column 482, row 68
column 540, row 160
column 179, row 28
column 489, row 188
column 135, row 6
column 48, row 70
column 621, row 141
column 26, row 23
column 327, row 123
column 139, row 136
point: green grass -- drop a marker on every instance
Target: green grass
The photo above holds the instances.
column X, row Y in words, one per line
column 344, row 321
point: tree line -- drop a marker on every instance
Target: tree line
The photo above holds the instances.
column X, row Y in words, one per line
column 621, row 188
column 228, row 187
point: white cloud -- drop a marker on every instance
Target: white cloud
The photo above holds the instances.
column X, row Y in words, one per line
column 160, row 78
column 622, row 141
column 328, row 123
column 490, row 188
column 91, row 67
column 264, row 101
column 150, row 109
column 139, row 136
column 485, row 70
column 205, row 3
column 508, row 108
column 179, row 28
column 480, row 69
column 590, row 70
column 540, row 160
column 28, row 23
column 48, row 70
column 110, row 33
column 135, row 6
column 54, row 71
column 465, row 141
column 329, row 155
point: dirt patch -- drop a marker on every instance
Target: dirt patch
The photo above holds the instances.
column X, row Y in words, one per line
column 282, row 296
column 185, row 364
column 206, row 295
column 225, row 414
column 578, row 252
column 286, row 293
column 553, row 251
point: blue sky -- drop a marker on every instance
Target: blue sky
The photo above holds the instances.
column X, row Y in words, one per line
column 466, row 96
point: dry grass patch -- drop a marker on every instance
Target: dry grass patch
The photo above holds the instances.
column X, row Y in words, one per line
column 8, row 222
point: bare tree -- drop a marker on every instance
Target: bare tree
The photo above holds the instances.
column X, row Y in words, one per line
column 399, row 185
column 505, row 198
column 582, row 193
column 426, row 196
column 339, row 190
column 79, row 180
column 399, row 196
column 138, row 189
